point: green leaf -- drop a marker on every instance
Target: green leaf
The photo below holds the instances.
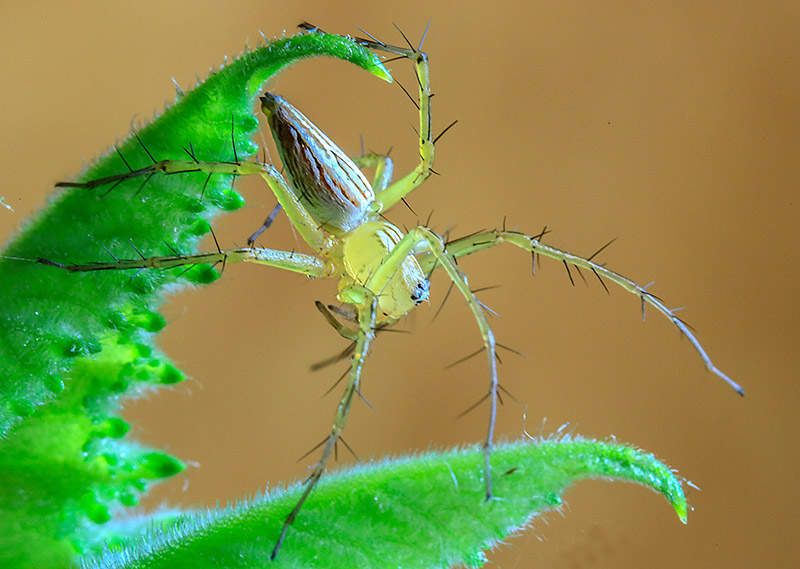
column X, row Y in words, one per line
column 425, row 511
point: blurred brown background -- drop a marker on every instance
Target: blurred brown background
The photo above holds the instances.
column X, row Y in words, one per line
column 673, row 128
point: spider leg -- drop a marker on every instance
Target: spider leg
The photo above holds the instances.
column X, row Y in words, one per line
column 365, row 303
column 486, row 239
column 287, row 260
column 308, row 228
column 266, row 225
column 389, row 196
column 384, row 168
column 423, row 237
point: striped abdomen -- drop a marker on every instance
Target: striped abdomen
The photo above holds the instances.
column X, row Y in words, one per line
column 331, row 187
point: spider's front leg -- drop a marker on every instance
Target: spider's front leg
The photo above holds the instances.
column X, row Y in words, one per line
column 385, row 279
column 487, row 239
column 365, row 304
column 388, row 196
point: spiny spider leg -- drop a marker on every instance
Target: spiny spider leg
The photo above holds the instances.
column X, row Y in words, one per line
column 287, row 260
column 487, row 239
column 383, row 165
column 410, row 243
column 366, row 305
column 411, row 181
column 266, row 225
column 300, row 217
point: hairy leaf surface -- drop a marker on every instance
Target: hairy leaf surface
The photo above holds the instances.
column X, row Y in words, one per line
column 425, row 511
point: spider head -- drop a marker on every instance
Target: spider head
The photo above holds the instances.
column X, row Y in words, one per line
column 421, row 292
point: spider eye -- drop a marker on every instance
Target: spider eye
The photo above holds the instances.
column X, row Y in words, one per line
column 421, row 292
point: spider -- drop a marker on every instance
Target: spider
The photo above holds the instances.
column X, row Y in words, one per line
column 383, row 272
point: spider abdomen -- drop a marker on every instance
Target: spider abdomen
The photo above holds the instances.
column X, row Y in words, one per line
column 331, row 187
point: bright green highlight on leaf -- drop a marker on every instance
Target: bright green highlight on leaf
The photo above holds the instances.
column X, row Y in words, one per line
column 425, row 511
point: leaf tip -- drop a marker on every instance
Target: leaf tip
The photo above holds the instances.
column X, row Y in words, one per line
column 379, row 71
column 680, row 509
